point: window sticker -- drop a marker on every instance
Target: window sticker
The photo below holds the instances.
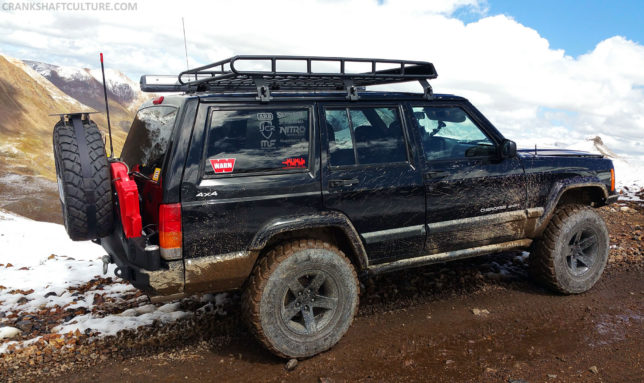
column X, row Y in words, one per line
column 267, row 129
column 223, row 165
column 265, row 116
column 293, row 130
column 294, row 163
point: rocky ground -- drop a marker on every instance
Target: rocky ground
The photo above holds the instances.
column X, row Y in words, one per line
column 474, row 320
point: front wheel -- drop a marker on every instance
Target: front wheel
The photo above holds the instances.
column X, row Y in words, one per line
column 301, row 298
column 572, row 254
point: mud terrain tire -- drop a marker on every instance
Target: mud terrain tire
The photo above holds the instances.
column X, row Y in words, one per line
column 86, row 201
column 301, row 298
column 572, row 254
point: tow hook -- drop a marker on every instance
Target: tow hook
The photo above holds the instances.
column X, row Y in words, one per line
column 106, row 261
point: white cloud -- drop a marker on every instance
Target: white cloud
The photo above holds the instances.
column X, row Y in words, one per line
column 528, row 90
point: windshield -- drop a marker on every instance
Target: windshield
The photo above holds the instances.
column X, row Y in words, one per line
column 149, row 136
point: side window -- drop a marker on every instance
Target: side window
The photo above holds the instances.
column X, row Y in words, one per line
column 341, row 150
column 256, row 140
column 365, row 136
column 449, row 133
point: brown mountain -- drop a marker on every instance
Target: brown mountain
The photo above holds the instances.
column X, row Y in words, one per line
column 27, row 172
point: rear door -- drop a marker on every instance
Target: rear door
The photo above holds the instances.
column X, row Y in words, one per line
column 247, row 165
column 474, row 198
column 370, row 175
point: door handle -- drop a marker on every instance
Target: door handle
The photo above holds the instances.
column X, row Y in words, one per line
column 336, row 183
column 436, row 174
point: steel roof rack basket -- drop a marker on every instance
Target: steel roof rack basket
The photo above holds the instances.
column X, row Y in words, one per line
column 293, row 73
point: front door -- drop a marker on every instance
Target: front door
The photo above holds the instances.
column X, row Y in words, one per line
column 474, row 197
column 370, row 176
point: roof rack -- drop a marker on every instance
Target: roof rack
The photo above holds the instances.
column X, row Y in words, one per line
column 265, row 74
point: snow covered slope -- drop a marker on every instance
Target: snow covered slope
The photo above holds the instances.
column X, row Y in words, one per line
column 122, row 87
column 52, row 90
column 49, row 284
column 86, row 84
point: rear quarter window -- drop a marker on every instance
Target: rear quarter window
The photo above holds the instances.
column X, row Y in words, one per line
column 257, row 140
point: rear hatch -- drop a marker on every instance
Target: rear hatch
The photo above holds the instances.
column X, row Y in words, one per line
column 144, row 154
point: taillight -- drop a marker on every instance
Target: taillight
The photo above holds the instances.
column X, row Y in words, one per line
column 612, row 179
column 158, row 100
column 170, row 238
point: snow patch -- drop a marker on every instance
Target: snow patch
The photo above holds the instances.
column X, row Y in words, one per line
column 71, row 73
column 112, row 324
column 41, row 268
column 8, row 332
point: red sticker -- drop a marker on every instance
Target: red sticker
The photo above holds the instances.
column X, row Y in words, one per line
column 294, row 163
column 223, row 165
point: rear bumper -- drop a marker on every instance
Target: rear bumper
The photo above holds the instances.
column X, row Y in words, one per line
column 165, row 281
column 612, row 199
column 144, row 271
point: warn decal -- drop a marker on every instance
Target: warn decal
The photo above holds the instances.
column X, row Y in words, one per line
column 294, row 163
column 223, row 165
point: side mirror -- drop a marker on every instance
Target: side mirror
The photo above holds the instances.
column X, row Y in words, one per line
column 508, row 149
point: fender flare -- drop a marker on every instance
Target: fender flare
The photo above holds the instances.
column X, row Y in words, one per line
column 322, row 220
column 558, row 190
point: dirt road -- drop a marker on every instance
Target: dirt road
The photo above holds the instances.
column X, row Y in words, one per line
column 529, row 335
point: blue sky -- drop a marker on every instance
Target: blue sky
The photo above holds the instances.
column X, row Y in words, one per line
column 574, row 25
column 503, row 55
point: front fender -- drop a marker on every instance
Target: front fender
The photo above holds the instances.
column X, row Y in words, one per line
column 558, row 190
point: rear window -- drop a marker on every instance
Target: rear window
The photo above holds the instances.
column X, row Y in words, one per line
column 149, row 136
column 257, row 140
column 363, row 136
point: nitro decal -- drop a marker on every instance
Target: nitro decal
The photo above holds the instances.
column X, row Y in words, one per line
column 223, row 165
column 293, row 130
column 294, row 163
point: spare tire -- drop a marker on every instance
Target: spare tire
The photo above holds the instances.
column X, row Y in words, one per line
column 84, row 182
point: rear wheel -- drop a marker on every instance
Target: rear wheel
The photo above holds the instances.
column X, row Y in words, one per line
column 86, row 201
column 301, row 298
column 572, row 254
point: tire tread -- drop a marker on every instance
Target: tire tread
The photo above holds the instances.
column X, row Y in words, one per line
column 257, row 282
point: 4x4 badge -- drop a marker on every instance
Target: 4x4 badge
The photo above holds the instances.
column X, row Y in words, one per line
column 223, row 165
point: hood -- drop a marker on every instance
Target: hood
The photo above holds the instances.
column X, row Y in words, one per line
column 557, row 153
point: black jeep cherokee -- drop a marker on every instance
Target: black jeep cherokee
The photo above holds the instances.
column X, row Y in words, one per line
column 289, row 184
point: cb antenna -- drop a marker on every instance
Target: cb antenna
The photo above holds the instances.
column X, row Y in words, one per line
column 185, row 43
column 107, row 108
